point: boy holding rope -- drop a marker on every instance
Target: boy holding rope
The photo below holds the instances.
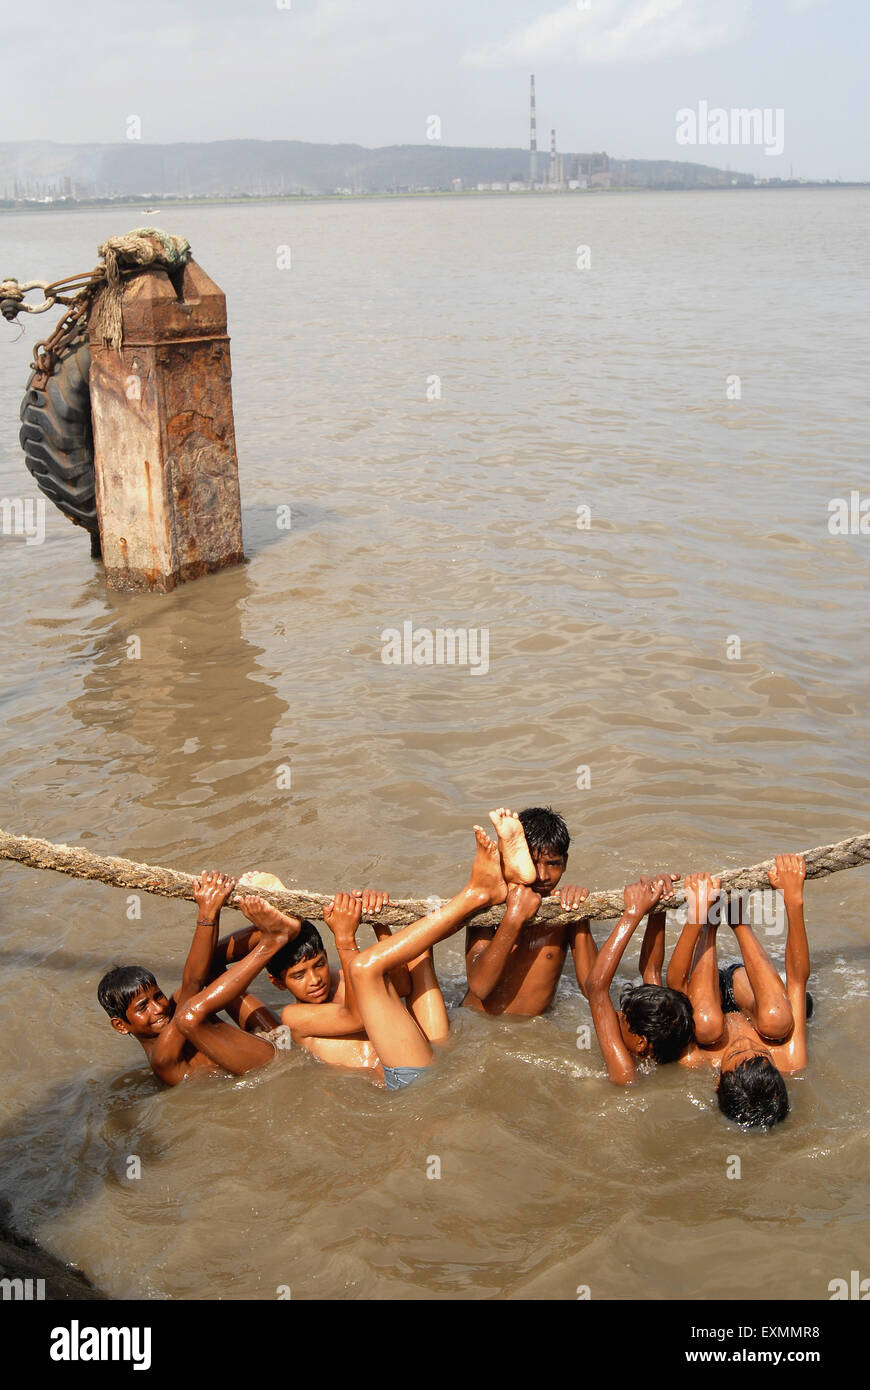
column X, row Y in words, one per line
column 747, row 1022
column 180, row 1035
column 359, row 1017
column 514, row 968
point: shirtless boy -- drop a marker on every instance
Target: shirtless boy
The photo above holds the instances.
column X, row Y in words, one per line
column 751, row 1026
column 180, row 1035
column 514, row 968
column 403, row 1045
column 358, row 1017
column 653, row 1020
column 400, row 991
column 323, row 1018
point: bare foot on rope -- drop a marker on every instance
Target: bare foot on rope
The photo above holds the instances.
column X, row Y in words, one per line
column 486, row 881
column 265, row 917
column 516, row 861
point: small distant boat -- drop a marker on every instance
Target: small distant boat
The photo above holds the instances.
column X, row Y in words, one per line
column 151, row 211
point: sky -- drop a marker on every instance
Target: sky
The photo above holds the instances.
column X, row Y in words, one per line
column 610, row 74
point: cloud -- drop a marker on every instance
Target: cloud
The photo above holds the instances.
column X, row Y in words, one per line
column 337, row 18
column 616, row 31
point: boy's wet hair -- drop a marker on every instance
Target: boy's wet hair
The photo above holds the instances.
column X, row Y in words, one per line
column 753, row 1093
column 306, row 946
column 661, row 1015
column 119, row 987
column 545, row 829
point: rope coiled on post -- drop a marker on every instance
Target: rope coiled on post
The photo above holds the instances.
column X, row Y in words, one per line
column 135, row 250
column 94, row 294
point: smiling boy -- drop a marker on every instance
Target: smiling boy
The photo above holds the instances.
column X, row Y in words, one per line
column 180, row 1035
column 323, row 1017
column 357, row 1016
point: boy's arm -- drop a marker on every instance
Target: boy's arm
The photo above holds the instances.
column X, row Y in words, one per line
column 487, row 956
column 584, row 952
column 652, row 949
column 580, row 939
column 211, row 891
column 167, row 1050
column 680, row 965
column 252, row 1015
column 788, row 876
column 372, row 901
column 321, row 1021
column 697, row 909
column 342, row 916
column 639, row 898
column 234, row 946
column 705, row 996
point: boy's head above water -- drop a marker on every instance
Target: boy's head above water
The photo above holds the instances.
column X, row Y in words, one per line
column 656, row 1021
column 548, row 841
column 134, row 1001
column 751, row 1090
column 302, row 967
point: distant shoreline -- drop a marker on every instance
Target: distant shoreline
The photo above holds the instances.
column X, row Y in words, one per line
column 98, row 204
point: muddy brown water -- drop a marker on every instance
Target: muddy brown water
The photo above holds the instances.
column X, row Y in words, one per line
column 610, row 648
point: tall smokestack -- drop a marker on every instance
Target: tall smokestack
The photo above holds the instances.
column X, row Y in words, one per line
column 553, row 178
column 533, row 143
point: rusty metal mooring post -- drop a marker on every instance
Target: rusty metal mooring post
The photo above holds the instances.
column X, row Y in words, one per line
column 167, row 479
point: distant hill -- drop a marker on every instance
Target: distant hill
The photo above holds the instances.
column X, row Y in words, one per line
column 224, row 168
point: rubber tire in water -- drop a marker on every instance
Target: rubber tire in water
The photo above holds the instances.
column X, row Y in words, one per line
column 58, row 441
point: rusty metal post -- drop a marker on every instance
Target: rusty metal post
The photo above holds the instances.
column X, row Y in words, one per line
column 167, row 481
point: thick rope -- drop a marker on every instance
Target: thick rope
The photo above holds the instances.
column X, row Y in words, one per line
column 171, row 883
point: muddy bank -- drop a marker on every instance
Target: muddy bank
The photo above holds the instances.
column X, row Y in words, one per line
column 24, row 1259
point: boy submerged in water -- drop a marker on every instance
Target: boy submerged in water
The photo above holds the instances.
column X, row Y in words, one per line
column 747, row 1022
column 653, row 1020
column 514, row 968
column 180, row 1035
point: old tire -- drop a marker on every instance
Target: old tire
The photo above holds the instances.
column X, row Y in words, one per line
column 58, row 440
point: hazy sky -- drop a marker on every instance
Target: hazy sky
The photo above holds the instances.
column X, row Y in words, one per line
column 611, row 74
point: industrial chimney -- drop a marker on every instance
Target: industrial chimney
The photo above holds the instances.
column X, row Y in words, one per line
column 533, row 145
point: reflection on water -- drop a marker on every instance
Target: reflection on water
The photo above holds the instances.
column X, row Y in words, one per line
column 179, row 696
column 611, row 648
